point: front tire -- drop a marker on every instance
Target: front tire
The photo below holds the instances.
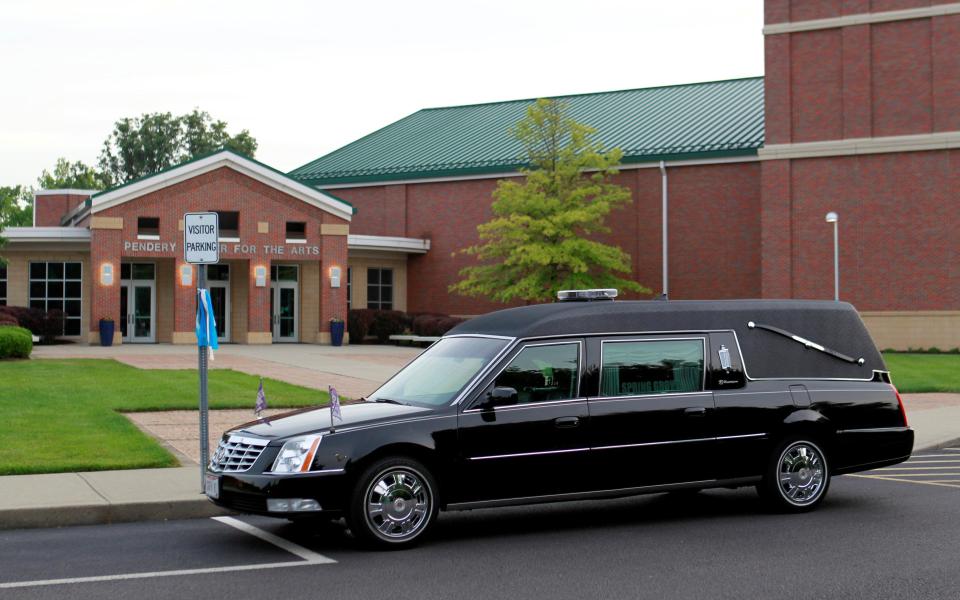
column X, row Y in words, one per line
column 797, row 477
column 393, row 504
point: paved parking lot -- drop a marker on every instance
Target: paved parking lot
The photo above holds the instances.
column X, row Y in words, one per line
column 876, row 536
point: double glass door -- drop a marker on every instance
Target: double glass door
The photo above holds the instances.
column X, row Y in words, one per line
column 138, row 302
column 284, row 312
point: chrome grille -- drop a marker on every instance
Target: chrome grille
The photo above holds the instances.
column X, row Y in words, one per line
column 236, row 454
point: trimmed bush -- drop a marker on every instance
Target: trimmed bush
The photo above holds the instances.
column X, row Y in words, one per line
column 47, row 325
column 358, row 323
column 15, row 342
column 435, row 325
column 386, row 323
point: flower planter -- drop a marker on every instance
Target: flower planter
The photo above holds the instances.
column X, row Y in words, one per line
column 336, row 333
column 107, row 328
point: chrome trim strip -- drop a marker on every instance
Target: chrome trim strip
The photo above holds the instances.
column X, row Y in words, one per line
column 738, row 437
column 611, row 493
column 530, row 453
column 642, row 396
column 304, row 474
column 529, row 405
column 400, row 421
column 874, row 430
column 239, row 439
column 664, row 443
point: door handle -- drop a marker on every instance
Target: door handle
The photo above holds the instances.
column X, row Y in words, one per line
column 697, row 411
column 566, row 422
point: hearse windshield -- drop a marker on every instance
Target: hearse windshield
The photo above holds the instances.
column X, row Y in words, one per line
column 436, row 377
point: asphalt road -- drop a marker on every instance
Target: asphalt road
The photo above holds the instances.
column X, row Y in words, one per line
column 892, row 534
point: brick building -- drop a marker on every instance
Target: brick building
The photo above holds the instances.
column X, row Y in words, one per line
column 859, row 113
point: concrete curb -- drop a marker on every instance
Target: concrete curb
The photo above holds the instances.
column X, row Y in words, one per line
column 939, row 446
column 101, row 514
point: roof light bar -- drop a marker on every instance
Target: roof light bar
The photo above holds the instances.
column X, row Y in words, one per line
column 586, row 295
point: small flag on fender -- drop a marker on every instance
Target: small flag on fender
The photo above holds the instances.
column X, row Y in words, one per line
column 261, row 404
column 334, row 406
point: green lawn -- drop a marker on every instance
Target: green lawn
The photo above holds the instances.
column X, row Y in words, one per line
column 63, row 415
column 924, row 372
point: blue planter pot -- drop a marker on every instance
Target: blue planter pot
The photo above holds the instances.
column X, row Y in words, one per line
column 106, row 332
column 336, row 333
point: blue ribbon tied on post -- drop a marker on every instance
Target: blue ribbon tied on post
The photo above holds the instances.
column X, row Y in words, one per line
column 206, row 322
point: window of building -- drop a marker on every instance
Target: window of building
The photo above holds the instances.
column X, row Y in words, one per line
column 148, row 228
column 651, row 367
column 296, row 232
column 283, row 273
column 349, row 289
column 229, row 223
column 543, row 373
column 139, row 271
column 380, row 289
column 3, row 285
column 58, row 286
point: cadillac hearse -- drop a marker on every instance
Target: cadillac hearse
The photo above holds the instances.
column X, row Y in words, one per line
column 584, row 398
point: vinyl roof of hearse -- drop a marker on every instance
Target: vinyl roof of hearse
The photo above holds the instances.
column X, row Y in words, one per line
column 835, row 325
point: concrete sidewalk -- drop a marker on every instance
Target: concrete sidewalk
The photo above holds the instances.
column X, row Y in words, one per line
column 150, row 494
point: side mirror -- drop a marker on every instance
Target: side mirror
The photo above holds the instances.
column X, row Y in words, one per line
column 500, row 396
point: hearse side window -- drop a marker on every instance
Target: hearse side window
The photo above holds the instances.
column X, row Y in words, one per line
column 543, row 373
column 651, row 367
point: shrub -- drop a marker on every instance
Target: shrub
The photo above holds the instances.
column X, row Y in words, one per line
column 358, row 323
column 15, row 342
column 47, row 325
column 7, row 320
column 435, row 325
column 386, row 323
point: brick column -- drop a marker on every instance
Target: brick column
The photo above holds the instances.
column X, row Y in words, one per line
column 184, row 305
column 258, row 305
column 333, row 301
column 105, row 247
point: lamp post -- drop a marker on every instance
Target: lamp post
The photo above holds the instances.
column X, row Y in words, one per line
column 833, row 217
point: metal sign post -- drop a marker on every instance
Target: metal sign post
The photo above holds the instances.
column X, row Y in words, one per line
column 201, row 246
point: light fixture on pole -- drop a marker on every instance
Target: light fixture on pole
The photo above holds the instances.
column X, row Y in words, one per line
column 833, row 217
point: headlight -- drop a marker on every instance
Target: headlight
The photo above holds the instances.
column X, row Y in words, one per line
column 297, row 454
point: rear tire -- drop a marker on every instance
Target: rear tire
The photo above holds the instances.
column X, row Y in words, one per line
column 393, row 504
column 797, row 476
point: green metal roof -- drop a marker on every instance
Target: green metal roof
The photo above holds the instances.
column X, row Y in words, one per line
column 698, row 120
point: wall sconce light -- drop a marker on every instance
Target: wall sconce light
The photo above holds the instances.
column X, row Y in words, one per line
column 334, row 277
column 186, row 275
column 260, row 275
column 106, row 274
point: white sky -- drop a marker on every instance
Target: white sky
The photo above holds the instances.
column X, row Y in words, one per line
column 306, row 77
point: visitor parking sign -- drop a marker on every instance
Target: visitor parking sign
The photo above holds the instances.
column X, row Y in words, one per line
column 201, row 232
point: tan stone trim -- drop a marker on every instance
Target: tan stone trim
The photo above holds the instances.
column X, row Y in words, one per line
column 855, row 146
column 924, row 12
column 106, row 222
column 263, row 227
column 183, row 337
column 334, row 229
column 325, row 339
column 93, row 338
column 922, row 329
column 180, row 224
column 259, row 337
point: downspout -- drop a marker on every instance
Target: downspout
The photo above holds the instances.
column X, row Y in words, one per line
column 666, row 198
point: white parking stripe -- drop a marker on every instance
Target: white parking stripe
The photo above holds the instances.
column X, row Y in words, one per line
column 900, row 474
column 277, row 541
column 899, row 468
column 43, row 582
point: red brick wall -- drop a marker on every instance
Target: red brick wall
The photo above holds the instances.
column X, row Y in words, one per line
column 706, row 261
column 50, row 208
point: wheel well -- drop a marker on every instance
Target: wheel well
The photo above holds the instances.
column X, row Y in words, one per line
column 421, row 454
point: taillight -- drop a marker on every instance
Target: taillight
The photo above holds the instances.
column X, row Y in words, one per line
column 903, row 412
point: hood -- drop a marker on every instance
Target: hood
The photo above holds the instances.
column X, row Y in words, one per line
column 311, row 420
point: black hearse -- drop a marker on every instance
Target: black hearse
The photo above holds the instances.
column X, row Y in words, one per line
column 578, row 400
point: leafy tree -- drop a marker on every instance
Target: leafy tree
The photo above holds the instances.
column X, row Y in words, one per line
column 16, row 206
column 76, row 175
column 538, row 241
column 152, row 142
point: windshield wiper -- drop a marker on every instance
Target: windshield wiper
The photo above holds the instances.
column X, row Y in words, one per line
column 389, row 401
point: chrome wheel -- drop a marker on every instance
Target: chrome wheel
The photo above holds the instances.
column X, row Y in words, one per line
column 802, row 473
column 398, row 504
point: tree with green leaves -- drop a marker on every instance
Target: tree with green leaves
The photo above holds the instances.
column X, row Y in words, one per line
column 16, row 206
column 71, row 175
column 539, row 240
column 152, row 142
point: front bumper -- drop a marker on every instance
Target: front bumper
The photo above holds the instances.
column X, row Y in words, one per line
column 248, row 493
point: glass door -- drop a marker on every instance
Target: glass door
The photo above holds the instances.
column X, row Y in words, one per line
column 138, row 302
column 218, row 281
column 285, row 288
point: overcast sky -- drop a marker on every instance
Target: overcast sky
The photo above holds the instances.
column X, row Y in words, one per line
column 306, row 77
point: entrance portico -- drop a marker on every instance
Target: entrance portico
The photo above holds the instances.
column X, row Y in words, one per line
column 280, row 241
